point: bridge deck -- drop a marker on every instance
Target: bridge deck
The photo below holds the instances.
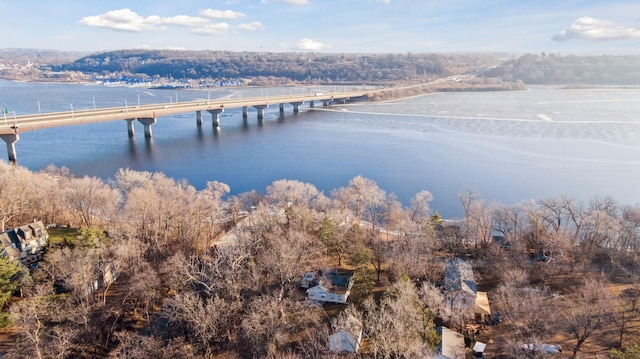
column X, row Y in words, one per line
column 24, row 123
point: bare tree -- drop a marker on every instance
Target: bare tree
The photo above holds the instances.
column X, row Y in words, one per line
column 366, row 200
column 587, row 312
column 363, row 197
column 43, row 323
column 626, row 310
column 91, row 199
column 210, row 321
column 468, row 200
column 419, row 206
column 271, row 323
column 399, row 325
column 14, row 192
column 526, row 312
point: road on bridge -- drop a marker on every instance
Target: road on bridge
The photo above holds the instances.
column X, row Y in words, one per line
column 24, row 123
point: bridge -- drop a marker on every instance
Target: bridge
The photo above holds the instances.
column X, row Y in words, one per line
column 147, row 115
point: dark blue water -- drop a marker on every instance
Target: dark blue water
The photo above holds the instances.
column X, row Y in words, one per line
column 507, row 146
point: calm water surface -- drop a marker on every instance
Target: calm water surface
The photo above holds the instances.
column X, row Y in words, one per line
column 507, row 146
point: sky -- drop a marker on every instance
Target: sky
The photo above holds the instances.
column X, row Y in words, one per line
column 331, row 26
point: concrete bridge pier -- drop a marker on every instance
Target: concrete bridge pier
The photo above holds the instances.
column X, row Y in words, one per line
column 130, row 129
column 326, row 103
column 296, row 106
column 260, row 109
column 10, row 140
column 281, row 109
column 342, row 101
column 245, row 112
column 311, row 105
column 147, row 122
column 199, row 118
column 215, row 116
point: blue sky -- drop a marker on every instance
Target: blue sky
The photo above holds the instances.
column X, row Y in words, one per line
column 333, row 26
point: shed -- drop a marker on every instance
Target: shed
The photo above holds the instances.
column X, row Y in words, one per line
column 348, row 338
column 478, row 349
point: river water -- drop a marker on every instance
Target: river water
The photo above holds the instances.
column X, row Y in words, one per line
column 506, row 146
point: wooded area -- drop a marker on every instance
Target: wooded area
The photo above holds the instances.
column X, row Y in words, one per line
column 569, row 69
column 203, row 274
column 263, row 68
column 300, row 67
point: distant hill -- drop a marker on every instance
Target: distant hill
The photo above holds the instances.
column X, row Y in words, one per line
column 321, row 67
column 39, row 57
column 578, row 70
column 277, row 68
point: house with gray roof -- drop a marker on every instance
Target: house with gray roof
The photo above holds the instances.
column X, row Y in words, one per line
column 331, row 287
column 460, row 288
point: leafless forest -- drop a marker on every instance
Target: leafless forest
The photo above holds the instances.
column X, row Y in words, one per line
column 203, row 274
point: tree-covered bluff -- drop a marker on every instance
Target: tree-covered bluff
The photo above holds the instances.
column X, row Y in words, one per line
column 301, row 67
column 570, row 69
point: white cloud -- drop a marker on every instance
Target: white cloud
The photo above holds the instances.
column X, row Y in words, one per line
column 383, row 1
column 220, row 28
column 221, row 14
column 294, row 2
column 311, row 45
column 183, row 20
column 122, row 20
column 127, row 20
column 588, row 28
column 251, row 26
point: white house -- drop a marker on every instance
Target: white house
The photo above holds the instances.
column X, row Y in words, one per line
column 332, row 288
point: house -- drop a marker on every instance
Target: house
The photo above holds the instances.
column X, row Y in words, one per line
column 33, row 237
column 347, row 340
column 460, row 288
column 332, row 287
column 451, row 344
column 25, row 243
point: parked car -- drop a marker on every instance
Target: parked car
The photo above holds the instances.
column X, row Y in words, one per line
column 542, row 348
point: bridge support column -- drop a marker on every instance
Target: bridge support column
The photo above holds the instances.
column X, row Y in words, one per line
column 130, row 129
column 245, row 112
column 281, row 109
column 147, row 122
column 260, row 109
column 10, row 140
column 199, row 118
column 215, row 116
column 296, row 106
column 311, row 104
column 326, row 103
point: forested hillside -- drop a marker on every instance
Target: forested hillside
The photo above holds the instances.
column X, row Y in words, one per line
column 38, row 56
column 294, row 66
column 557, row 69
